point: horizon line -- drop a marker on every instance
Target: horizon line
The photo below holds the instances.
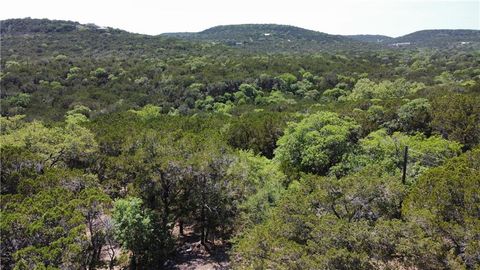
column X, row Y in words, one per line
column 236, row 24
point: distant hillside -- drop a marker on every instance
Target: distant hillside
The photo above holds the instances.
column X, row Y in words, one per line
column 270, row 37
column 371, row 38
column 60, row 63
column 246, row 32
column 41, row 37
column 281, row 38
column 440, row 38
column 36, row 26
column 426, row 38
column 37, row 37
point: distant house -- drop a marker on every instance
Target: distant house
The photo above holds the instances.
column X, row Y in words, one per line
column 400, row 44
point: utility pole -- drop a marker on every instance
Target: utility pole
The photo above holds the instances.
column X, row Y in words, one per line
column 405, row 159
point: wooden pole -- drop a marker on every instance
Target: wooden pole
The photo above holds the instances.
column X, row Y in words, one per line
column 405, row 160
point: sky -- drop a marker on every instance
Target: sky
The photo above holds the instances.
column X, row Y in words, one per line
column 387, row 17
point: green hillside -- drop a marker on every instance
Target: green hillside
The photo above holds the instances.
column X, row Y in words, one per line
column 439, row 38
column 271, row 38
column 292, row 150
column 372, row 38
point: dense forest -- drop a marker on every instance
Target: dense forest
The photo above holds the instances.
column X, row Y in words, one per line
column 276, row 146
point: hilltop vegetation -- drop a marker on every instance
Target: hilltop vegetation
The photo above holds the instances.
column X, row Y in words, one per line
column 270, row 38
column 372, row 38
column 284, row 38
column 117, row 149
column 438, row 38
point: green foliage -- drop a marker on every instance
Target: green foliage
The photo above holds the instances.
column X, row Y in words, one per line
column 75, row 119
column 133, row 226
column 247, row 93
column 100, row 75
column 324, row 223
column 80, row 109
column 149, row 112
column 68, row 145
column 21, row 100
column 366, row 89
column 388, row 150
column 12, row 65
column 268, row 38
column 353, row 222
column 261, row 183
column 457, row 117
column 288, row 78
column 376, row 114
column 415, row 116
column 48, row 228
column 114, row 66
column 445, row 204
column 192, row 138
column 275, row 97
column 334, row 94
column 257, row 131
column 316, row 143
column 12, row 172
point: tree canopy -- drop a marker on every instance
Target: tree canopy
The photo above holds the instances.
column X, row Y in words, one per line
column 277, row 148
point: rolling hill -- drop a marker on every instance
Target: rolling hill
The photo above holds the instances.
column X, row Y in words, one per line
column 38, row 37
column 281, row 38
column 271, row 38
column 439, row 38
column 372, row 38
column 42, row 37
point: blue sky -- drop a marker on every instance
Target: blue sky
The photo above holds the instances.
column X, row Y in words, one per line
column 388, row 17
